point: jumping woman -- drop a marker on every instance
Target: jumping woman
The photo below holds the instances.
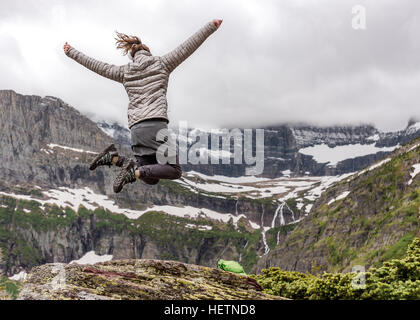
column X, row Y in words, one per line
column 145, row 79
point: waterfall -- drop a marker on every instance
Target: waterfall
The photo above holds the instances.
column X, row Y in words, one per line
column 266, row 247
column 240, row 255
column 264, row 239
column 293, row 214
column 236, row 207
column 282, row 221
column 280, row 207
column 279, row 212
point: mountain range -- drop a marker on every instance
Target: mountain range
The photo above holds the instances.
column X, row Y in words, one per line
column 329, row 197
column 299, row 150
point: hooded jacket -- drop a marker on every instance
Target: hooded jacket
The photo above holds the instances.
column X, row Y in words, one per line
column 146, row 78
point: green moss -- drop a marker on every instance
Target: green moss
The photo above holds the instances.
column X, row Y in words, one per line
column 271, row 235
column 399, row 248
column 175, row 187
column 292, row 203
column 334, row 255
column 249, row 253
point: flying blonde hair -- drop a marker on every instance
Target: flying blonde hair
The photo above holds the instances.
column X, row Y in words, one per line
column 129, row 44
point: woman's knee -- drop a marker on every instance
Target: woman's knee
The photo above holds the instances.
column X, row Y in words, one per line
column 178, row 171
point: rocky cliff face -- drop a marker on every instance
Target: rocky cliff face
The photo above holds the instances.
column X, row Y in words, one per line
column 138, row 280
column 46, row 142
column 32, row 127
column 120, row 134
column 306, row 136
column 47, row 145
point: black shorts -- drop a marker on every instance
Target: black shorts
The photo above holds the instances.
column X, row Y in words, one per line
column 145, row 140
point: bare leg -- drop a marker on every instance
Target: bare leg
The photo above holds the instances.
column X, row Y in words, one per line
column 137, row 172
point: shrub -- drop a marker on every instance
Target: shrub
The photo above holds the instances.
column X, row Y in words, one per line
column 9, row 289
column 395, row 279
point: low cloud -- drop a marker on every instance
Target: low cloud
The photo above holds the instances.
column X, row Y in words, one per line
column 270, row 62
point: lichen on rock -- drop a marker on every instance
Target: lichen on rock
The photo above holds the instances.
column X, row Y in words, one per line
column 145, row 279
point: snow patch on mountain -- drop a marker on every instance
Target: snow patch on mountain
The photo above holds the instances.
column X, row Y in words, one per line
column 199, row 227
column 91, row 258
column 243, row 179
column 116, row 131
column 374, row 137
column 51, row 146
column 325, row 183
column 341, row 196
column 413, row 147
column 21, row 276
column 416, row 168
column 219, row 187
column 322, row 153
column 287, row 173
column 253, row 187
column 215, row 155
column 413, row 128
column 109, row 131
column 376, row 165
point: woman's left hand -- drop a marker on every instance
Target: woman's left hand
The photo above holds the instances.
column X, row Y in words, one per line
column 67, row 47
column 217, row 22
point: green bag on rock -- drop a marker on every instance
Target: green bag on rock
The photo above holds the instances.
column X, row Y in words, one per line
column 231, row 266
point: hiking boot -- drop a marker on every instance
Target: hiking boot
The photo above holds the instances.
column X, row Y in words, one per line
column 104, row 158
column 127, row 175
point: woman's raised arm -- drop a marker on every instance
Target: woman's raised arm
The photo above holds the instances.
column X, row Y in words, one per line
column 185, row 49
column 106, row 70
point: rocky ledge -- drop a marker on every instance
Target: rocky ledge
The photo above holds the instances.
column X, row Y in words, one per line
column 137, row 280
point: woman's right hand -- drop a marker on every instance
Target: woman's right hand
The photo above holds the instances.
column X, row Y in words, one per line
column 217, row 22
column 67, row 47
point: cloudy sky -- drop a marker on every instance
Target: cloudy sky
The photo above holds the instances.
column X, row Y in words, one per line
column 270, row 62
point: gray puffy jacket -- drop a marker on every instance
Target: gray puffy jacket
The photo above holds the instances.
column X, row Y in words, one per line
column 146, row 78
